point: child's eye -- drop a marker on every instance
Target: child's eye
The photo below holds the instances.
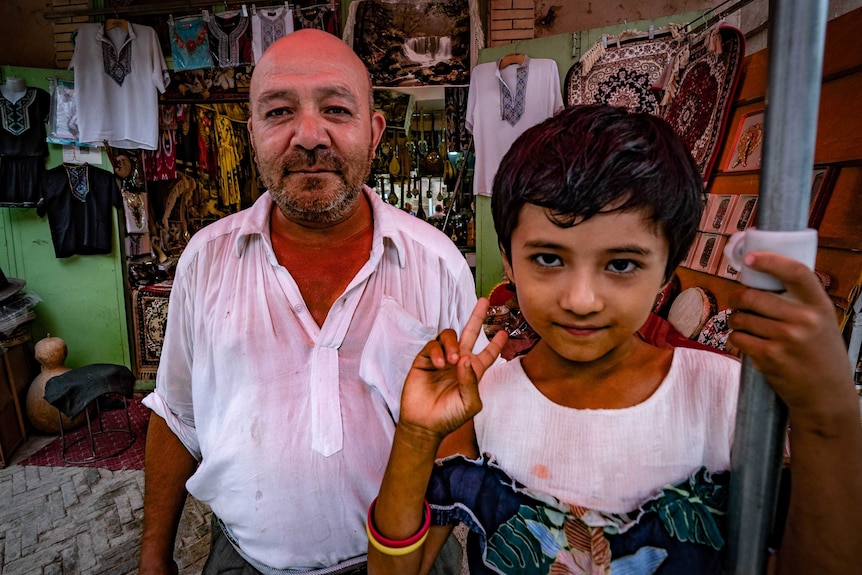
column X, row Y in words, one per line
column 548, row 260
column 622, row 266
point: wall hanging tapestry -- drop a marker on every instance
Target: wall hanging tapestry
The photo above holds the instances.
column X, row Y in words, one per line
column 624, row 75
column 421, row 43
column 700, row 109
column 150, row 314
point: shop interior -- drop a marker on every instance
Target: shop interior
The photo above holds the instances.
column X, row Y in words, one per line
column 110, row 306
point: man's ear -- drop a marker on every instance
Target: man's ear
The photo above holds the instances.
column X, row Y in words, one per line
column 250, row 133
column 378, row 126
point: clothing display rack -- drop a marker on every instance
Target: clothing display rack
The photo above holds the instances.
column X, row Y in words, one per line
column 162, row 8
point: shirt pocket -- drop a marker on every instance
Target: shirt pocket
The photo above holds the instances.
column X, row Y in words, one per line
column 393, row 342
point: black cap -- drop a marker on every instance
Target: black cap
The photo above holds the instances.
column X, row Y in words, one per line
column 9, row 286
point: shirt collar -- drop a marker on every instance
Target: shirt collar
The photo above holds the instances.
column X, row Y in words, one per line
column 100, row 33
column 386, row 231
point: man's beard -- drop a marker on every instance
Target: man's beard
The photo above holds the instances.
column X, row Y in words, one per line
column 318, row 199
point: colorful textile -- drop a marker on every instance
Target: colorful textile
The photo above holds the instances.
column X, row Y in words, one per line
column 150, row 313
column 701, row 107
column 514, row 530
column 190, row 45
column 623, row 75
column 22, row 147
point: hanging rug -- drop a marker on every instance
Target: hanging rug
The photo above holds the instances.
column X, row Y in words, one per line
column 150, row 314
column 701, row 107
column 623, row 76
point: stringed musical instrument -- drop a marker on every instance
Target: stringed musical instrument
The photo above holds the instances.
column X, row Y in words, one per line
column 433, row 162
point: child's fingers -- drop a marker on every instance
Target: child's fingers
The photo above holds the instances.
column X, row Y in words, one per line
column 492, row 351
column 473, row 327
column 799, row 281
column 468, row 386
column 447, row 349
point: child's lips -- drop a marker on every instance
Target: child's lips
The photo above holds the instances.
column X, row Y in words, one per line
column 582, row 330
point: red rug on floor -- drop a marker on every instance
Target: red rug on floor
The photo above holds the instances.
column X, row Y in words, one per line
column 131, row 458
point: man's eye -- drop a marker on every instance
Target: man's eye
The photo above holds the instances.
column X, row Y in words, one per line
column 622, row 266
column 338, row 111
column 547, row 260
column 277, row 112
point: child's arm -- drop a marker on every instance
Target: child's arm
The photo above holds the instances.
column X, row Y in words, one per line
column 440, row 395
column 794, row 340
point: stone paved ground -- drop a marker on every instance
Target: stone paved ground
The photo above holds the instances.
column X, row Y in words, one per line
column 83, row 520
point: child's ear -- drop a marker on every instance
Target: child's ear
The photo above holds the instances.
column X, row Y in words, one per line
column 507, row 265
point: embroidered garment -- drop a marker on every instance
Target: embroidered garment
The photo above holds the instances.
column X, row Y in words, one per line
column 230, row 39
column 515, row 530
column 23, row 147
column 78, row 202
column 267, row 26
column 121, row 107
column 190, row 45
column 63, row 119
column 318, row 18
column 489, row 116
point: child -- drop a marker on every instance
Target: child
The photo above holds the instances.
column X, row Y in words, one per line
column 597, row 452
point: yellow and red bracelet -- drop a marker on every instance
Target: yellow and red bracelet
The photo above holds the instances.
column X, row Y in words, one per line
column 393, row 547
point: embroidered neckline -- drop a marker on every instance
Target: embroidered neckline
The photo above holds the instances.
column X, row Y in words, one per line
column 117, row 66
column 271, row 27
column 78, row 181
column 193, row 42
column 512, row 108
column 14, row 116
column 228, row 42
column 316, row 22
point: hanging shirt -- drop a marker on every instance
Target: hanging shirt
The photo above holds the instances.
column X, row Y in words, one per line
column 267, row 26
column 118, row 77
column 190, row 45
column 23, row 147
column 503, row 104
column 230, row 39
column 78, row 201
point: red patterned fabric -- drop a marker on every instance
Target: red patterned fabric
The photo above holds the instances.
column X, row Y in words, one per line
column 700, row 109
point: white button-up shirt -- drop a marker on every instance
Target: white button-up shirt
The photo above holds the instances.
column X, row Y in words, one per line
column 292, row 422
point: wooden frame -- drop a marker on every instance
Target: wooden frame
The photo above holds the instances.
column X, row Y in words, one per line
column 719, row 208
column 747, row 144
column 743, row 214
column 822, row 182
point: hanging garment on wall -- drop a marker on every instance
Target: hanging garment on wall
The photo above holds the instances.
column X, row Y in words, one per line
column 22, row 147
column 229, row 157
column 161, row 164
column 318, row 17
column 63, row 119
column 624, row 75
column 78, row 201
column 267, row 26
column 701, row 107
column 230, row 39
column 457, row 135
column 118, row 77
column 190, row 45
column 503, row 104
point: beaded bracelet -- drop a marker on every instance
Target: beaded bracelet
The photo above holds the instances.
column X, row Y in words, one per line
column 393, row 547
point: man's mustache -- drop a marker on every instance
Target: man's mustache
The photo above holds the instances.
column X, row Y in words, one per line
column 299, row 160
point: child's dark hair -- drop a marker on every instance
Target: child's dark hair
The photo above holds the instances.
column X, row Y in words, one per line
column 586, row 158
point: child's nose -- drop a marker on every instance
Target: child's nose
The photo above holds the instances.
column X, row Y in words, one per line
column 582, row 296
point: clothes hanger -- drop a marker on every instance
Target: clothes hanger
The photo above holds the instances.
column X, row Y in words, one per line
column 510, row 59
column 116, row 22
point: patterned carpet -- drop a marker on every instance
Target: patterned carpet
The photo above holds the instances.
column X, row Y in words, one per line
column 110, row 442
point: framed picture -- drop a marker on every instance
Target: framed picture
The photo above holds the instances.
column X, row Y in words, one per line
column 822, row 182
column 718, row 210
column 747, row 144
column 708, row 252
column 742, row 214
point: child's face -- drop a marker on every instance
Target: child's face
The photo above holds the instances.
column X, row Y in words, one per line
column 587, row 289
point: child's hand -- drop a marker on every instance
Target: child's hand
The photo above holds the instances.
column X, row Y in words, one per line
column 793, row 338
column 441, row 391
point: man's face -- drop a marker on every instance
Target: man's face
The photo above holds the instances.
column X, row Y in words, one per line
column 313, row 133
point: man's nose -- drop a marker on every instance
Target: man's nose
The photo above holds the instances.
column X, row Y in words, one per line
column 310, row 132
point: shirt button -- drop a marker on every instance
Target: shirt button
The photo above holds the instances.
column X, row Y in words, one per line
column 298, row 308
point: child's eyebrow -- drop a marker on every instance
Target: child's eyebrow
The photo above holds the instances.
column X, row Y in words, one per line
column 631, row 249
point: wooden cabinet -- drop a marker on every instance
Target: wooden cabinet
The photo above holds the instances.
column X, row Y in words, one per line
column 15, row 377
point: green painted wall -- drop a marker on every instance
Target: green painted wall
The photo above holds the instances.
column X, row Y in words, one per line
column 83, row 297
column 566, row 49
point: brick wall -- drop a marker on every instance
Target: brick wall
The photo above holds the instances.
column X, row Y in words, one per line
column 511, row 21
column 63, row 28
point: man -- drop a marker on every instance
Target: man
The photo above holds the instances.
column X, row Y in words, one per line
column 290, row 330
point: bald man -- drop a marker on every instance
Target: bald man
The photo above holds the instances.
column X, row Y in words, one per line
column 291, row 327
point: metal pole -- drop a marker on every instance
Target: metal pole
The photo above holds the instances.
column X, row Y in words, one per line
column 797, row 33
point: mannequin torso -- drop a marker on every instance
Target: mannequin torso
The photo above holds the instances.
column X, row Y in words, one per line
column 14, row 89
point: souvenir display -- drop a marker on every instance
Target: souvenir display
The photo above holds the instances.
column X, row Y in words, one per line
column 230, row 38
column 268, row 25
